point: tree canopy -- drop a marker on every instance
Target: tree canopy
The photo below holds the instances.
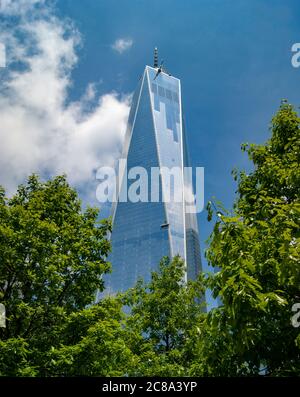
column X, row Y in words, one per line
column 51, row 258
column 164, row 316
column 256, row 250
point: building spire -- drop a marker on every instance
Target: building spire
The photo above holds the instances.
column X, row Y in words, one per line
column 155, row 64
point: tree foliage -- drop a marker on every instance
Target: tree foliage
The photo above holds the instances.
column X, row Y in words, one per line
column 51, row 258
column 164, row 316
column 256, row 250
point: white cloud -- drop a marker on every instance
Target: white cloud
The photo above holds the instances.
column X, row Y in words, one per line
column 121, row 45
column 18, row 7
column 40, row 130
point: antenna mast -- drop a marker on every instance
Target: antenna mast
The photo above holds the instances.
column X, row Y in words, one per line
column 155, row 64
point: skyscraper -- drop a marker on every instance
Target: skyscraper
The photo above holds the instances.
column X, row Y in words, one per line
column 144, row 232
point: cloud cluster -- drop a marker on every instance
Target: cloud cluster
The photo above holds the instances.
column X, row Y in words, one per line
column 41, row 130
column 121, row 45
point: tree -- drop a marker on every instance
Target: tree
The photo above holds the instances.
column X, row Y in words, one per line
column 256, row 250
column 164, row 316
column 52, row 256
column 93, row 343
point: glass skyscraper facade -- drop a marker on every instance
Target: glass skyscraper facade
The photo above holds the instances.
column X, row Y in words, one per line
column 144, row 232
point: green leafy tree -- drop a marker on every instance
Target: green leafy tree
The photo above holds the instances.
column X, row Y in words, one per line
column 256, row 250
column 93, row 343
column 52, row 256
column 164, row 316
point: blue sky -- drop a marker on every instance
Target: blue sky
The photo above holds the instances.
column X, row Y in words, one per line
column 233, row 59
